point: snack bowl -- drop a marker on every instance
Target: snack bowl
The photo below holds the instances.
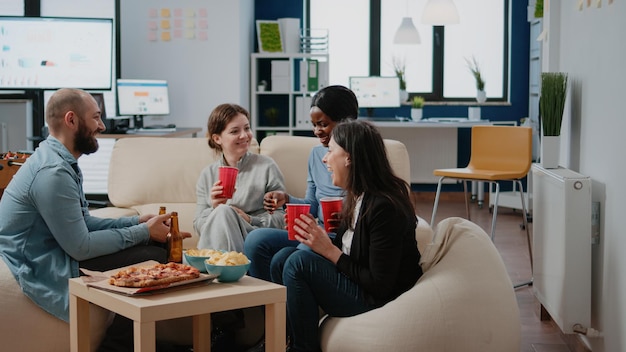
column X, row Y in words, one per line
column 227, row 273
column 196, row 261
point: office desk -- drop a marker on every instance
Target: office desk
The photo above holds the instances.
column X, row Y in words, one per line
column 180, row 132
column 431, row 145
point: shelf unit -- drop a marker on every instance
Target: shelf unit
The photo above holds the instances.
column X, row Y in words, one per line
column 290, row 98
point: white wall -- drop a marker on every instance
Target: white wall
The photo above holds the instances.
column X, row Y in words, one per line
column 588, row 44
column 201, row 72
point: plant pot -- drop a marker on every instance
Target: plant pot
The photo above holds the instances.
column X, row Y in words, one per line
column 416, row 114
column 481, row 96
column 404, row 96
column 473, row 113
column 550, row 151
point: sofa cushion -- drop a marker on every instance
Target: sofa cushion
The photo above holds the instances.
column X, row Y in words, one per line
column 26, row 327
column 291, row 153
column 146, row 170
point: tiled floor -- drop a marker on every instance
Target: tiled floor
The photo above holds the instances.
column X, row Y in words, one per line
column 510, row 239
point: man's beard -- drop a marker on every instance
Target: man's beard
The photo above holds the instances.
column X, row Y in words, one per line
column 84, row 142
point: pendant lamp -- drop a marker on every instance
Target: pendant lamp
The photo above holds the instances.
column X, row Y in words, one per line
column 407, row 33
column 440, row 13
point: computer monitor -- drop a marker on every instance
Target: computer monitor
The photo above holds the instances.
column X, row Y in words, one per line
column 376, row 92
column 142, row 97
column 56, row 52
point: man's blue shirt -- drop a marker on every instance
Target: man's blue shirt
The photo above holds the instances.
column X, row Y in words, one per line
column 46, row 229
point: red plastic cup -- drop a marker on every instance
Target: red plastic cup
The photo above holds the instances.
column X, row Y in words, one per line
column 228, row 176
column 293, row 212
column 330, row 205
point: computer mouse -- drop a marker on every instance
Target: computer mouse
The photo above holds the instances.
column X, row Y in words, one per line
column 171, row 125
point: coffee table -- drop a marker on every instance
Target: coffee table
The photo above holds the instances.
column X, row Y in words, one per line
column 195, row 301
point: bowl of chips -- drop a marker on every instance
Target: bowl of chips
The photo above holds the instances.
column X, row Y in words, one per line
column 229, row 266
column 196, row 257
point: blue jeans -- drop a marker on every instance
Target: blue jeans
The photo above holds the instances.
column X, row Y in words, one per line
column 314, row 282
column 260, row 246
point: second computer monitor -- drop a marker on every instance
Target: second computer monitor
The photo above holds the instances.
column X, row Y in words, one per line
column 376, row 92
column 142, row 97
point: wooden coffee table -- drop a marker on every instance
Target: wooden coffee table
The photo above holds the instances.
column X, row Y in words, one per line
column 197, row 301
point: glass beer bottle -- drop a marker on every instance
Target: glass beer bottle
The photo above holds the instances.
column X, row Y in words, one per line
column 161, row 210
column 175, row 243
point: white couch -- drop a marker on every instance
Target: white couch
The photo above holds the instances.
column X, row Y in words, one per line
column 144, row 174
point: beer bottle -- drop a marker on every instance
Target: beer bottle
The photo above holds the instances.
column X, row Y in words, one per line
column 175, row 243
column 161, row 210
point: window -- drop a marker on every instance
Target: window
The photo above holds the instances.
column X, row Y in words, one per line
column 361, row 43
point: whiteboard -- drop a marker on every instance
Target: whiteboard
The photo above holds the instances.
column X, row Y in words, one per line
column 201, row 47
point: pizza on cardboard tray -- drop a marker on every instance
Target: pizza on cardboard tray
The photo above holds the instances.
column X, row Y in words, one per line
column 153, row 275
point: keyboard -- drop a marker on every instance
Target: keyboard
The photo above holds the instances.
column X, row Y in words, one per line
column 446, row 119
column 155, row 130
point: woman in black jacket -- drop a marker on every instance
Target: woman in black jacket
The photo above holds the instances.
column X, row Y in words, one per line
column 374, row 257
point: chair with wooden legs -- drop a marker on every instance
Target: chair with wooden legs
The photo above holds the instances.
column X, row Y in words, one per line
column 498, row 153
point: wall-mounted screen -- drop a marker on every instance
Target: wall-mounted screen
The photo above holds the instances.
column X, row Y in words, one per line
column 142, row 97
column 56, row 52
column 376, row 92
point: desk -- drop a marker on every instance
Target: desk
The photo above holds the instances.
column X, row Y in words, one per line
column 198, row 302
column 431, row 145
column 180, row 132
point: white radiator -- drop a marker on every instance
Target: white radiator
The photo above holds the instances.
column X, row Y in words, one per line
column 562, row 245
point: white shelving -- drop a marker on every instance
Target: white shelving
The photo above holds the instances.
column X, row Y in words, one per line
column 291, row 101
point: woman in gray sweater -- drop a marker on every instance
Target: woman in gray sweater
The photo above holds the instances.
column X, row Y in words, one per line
column 224, row 223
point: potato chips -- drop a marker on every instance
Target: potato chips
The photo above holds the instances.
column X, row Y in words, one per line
column 228, row 258
column 218, row 257
column 195, row 252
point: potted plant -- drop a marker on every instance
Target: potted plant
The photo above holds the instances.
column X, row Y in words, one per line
column 399, row 68
column 551, row 106
column 416, row 107
column 481, row 95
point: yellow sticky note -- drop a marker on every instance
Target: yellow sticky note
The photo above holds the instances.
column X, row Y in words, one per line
column 580, row 5
column 598, row 3
column 190, row 24
column 165, row 13
column 190, row 13
column 189, row 34
column 165, row 24
column 165, row 36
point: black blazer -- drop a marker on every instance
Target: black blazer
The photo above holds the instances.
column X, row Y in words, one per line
column 384, row 259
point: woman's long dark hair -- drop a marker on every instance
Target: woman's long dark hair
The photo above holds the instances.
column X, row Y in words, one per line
column 370, row 170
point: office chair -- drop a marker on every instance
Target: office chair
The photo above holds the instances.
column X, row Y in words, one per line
column 498, row 153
